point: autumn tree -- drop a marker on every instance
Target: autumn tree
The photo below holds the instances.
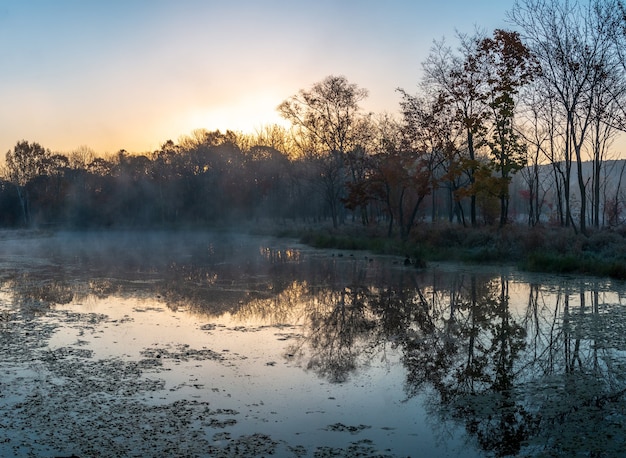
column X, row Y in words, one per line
column 458, row 78
column 398, row 176
column 508, row 66
column 429, row 126
column 399, row 180
column 365, row 193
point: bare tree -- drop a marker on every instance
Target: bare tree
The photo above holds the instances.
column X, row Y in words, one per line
column 602, row 134
column 575, row 49
column 538, row 131
column 81, row 157
column 327, row 118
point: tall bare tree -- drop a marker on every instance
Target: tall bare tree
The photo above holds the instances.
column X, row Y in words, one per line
column 328, row 120
column 538, row 130
column 574, row 45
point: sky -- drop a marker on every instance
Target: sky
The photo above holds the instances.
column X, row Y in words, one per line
column 132, row 74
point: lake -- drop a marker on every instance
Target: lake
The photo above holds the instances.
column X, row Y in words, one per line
column 212, row 344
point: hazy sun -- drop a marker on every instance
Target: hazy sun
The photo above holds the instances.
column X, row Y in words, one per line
column 245, row 115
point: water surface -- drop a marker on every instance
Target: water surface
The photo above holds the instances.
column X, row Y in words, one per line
column 204, row 344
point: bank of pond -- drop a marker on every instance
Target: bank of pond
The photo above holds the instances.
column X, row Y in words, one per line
column 540, row 249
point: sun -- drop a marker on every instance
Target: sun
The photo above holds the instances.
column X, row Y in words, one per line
column 244, row 114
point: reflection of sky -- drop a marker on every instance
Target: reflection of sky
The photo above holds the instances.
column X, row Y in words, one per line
column 272, row 395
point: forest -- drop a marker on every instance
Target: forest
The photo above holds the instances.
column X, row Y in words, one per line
column 511, row 127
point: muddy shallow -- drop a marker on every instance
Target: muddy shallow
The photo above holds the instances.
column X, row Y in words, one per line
column 200, row 344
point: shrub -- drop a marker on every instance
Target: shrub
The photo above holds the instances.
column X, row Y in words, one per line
column 552, row 262
column 602, row 241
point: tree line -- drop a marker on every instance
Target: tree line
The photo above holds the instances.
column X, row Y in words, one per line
column 525, row 116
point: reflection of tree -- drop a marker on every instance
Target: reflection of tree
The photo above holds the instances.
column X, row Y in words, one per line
column 466, row 346
column 428, row 348
column 281, row 305
column 579, row 376
column 508, row 423
column 192, row 274
column 338, row 333
column 34, row 296
column 460, row 339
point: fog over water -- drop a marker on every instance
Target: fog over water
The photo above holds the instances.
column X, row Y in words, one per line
column 193, row 343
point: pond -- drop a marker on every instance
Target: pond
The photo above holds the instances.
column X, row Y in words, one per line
column 212, row 344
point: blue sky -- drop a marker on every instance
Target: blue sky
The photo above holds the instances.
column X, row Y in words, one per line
column 132, row 74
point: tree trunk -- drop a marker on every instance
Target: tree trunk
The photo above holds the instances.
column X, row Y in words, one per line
column 583, row 193
column 472, row 155
column 23, row 197
column 504, row 210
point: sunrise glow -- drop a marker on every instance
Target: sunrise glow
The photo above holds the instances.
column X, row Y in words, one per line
column 245, row 115
column 118, row 75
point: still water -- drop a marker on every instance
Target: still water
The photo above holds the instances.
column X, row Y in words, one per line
column 204, row 344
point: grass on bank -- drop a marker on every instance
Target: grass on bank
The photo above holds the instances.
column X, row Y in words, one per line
column 540, row 249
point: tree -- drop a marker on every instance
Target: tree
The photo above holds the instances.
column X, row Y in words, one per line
column 400, row 180
column 458, row 80
column 370, row 191
column 277, row 137
column 422, row 131
column 326, row 118
column 81, row 157
column 48, row 192
column 24, row 163
column 609, row 101
column 508, row 66
column 541, row 129
column 575, row 48
column 602, row 134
